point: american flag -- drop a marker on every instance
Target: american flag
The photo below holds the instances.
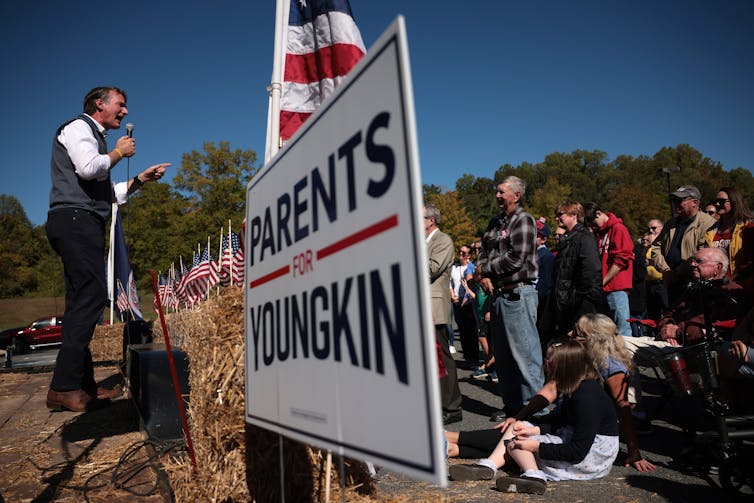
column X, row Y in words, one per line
column 179, row 284
column 231, row 260
column 225, row 260
column 323, row 44
column 162, row 290
column 201, row 277
column 126, row 296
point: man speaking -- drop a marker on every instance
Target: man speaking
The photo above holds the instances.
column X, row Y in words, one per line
column 80, row 205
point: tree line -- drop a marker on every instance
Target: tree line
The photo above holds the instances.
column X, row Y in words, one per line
column 163, row 222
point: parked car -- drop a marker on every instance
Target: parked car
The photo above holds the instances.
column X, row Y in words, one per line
column 41, row 333
column 6, row 336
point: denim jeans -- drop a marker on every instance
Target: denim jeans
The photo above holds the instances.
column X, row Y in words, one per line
column 518, row 354
column 618, row 303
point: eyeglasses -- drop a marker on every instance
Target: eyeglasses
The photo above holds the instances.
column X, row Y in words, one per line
column 561, row 213
column 700, row 261
column 710, row 212
column 463, row 252
column 653, row 228
column 720, row 201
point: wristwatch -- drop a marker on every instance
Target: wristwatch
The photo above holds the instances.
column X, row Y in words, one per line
column 137, row 181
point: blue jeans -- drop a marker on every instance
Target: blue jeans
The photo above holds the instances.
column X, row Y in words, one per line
column 618, row 304
column 518, row 353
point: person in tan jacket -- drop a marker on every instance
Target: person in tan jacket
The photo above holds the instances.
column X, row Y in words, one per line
column 440, row 252
column 681, row 237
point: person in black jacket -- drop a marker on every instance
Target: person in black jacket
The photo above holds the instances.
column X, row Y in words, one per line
column 577, row 275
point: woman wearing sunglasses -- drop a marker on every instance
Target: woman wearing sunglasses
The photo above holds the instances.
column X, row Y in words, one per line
column 726, row 234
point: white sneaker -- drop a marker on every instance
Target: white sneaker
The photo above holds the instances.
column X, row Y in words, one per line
column 452, row 350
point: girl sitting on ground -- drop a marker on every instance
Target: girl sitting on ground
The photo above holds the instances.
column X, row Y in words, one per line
column 584, row 441
column 605, row 346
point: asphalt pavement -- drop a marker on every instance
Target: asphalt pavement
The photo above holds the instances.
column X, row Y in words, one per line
column 683, row 472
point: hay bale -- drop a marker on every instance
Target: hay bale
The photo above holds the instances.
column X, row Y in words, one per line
column 237, row 462
column 107, row 343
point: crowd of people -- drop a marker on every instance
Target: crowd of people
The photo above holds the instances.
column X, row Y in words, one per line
column 561, row 328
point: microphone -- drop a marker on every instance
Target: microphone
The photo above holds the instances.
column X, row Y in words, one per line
column 130, row 130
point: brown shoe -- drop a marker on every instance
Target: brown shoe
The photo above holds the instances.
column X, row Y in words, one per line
column 76, row 400
column 106, row 393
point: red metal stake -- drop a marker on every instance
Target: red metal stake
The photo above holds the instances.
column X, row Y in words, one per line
column 174, row 372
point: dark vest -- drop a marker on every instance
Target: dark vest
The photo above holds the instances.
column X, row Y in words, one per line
column 70, row 191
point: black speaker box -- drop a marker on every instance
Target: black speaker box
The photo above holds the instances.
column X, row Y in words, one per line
column 151, row 387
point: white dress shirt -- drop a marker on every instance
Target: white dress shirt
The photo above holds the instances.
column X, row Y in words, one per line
column 83, row 149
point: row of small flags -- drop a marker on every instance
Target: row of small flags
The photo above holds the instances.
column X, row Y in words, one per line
column 184, row 286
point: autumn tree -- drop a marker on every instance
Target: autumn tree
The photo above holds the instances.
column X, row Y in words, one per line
column 455, row 221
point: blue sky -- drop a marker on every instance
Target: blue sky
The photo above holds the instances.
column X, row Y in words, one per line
column 506, row 82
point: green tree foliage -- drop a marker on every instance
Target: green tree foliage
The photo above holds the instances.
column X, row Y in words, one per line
column 27, row 263
column 214, row 183
column 17, row 249
column 478, row 196
column 163, row 222
column 156, row 228
column 545, row 199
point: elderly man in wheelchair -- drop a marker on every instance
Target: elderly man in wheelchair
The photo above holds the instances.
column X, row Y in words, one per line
column 694, row 328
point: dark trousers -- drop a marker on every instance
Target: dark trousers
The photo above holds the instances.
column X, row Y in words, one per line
column 657, row 300
column 450, row 393
column 79, row 238
column 478, row 443
column 467, row 331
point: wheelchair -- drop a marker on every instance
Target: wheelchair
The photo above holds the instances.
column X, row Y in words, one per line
column 726, row 439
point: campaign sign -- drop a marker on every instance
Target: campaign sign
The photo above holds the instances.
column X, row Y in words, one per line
column 340, row 348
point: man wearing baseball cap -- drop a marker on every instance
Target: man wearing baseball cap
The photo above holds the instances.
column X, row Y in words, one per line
column 681, row 237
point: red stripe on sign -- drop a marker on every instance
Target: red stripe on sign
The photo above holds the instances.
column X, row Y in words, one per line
column 271, row 276
column 324, row 63
column 359, row 236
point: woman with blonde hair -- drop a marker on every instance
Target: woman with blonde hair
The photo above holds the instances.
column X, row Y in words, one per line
column 608, row 352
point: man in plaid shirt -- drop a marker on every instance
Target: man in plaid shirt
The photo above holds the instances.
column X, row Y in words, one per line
column 508, row 261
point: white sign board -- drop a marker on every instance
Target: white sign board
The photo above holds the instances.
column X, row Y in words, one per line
column 340, row 348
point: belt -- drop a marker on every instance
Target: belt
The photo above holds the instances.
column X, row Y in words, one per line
column 501, row 288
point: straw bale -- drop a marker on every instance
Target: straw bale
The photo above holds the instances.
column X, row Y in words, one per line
column 236, row 461
column 107, row 343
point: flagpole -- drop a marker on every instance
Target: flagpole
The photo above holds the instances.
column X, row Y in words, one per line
column 220, row 258
column 111, row 261
column 275, row 88
column 230, row 255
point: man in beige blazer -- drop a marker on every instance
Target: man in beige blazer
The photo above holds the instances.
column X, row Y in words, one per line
column 441, row 253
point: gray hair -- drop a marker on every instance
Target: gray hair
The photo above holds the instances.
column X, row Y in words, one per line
column 432, row 211
column 515, row 183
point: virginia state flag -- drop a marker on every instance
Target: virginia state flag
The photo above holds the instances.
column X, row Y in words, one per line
column 323, row 44
column 126, row 297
